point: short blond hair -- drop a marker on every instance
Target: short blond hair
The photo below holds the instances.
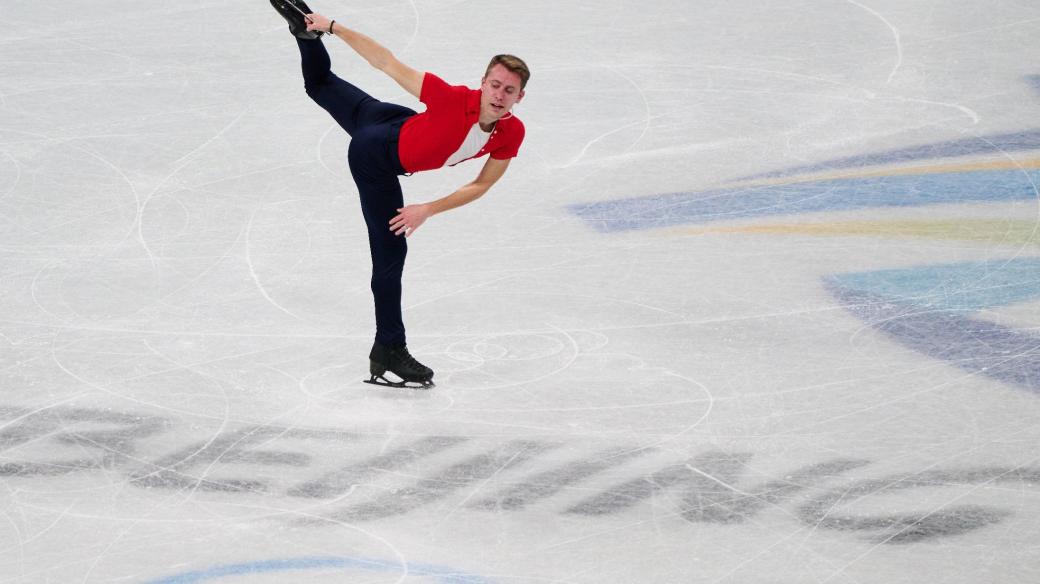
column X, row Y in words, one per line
column 512, row 63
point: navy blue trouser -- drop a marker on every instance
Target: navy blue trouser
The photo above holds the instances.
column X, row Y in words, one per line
column 374, row 163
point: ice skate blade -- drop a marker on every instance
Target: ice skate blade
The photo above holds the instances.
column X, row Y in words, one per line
column 384, row 382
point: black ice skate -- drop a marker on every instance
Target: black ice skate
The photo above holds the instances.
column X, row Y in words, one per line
column 399, row 361
column 295, row 12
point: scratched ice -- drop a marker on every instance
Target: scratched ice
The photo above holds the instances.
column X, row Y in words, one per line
column 757, row 302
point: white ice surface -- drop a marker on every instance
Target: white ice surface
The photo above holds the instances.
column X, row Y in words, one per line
column 184, row 304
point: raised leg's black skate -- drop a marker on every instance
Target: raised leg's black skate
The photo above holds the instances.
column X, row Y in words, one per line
column 399, row 361
column 295, row 12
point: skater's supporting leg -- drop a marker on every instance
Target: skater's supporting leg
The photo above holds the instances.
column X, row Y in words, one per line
column 387, row 268
column 375, row 174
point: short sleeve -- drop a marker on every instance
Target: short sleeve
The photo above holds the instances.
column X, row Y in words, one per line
column 512, row 147
column 435, row 91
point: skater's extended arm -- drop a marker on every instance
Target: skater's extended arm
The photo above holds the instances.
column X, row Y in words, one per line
column 376, row 54
column 410, row 217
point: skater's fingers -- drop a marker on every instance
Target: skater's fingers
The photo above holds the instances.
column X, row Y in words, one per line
column 315, row 21
column 318, row 18
column 407, row 220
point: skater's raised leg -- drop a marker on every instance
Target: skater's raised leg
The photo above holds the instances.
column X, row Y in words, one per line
column 351, row 107
column 294, row 12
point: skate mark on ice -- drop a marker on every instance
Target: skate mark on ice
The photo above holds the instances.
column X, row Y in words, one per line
column 895, row 37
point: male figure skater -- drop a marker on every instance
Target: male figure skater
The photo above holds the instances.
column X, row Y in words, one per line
column 389, row 140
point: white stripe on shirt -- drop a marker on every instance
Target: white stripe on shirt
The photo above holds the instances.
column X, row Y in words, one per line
column 475, row 140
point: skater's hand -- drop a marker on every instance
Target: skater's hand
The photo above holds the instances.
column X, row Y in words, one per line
column 317, row 22
column 409, row 218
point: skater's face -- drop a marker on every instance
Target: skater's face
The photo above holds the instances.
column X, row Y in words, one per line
column 499, row 90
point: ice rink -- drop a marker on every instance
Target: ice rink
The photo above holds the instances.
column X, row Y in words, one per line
column 758, row 302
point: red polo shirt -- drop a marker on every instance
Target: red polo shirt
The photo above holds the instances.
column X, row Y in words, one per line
column 428, row 139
